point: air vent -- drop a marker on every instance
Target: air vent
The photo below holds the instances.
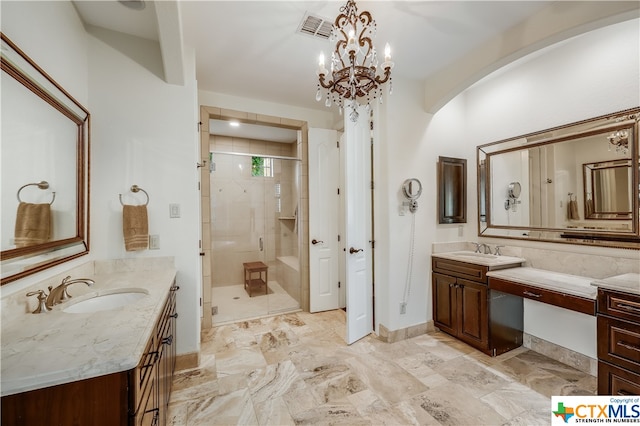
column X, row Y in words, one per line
column 315, row 26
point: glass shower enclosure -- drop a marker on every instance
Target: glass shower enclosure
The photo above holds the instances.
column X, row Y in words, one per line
column 254, row 218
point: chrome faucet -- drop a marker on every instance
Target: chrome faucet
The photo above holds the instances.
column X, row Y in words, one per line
column 59, row 294
column 487, row 249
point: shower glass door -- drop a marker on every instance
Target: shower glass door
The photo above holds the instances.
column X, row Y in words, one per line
column 248, row 225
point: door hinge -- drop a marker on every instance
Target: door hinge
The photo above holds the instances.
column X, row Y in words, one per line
column 201, row 301
column 373, row 244
column 338, row 237
column 372, row 185
column 371, row 125
column 338, row 191
column 337, row 144
column 199, row 125
column 339, row 284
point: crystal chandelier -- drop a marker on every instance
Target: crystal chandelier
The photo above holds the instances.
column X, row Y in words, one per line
column 619, row 140
column 354, row 63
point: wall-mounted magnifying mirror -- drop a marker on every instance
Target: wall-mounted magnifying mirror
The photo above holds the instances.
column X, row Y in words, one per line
column 412, row 188
column 44, row 173
column 576, row 184
column 514, row 190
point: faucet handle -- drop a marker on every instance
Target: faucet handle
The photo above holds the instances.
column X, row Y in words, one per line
column 478, row 245
column 498, row 250
column 42, row 298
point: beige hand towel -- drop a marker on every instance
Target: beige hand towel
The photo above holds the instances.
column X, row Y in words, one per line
column 573, row 210
column 33, row 224
column 588, row 208
column 135, row 227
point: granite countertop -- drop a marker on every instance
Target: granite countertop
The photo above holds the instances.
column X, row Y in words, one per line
column 566, row 283
column 628, row 283
column 490, row 260
column 42, row 350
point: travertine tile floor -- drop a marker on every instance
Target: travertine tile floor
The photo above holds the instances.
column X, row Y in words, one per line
column 296, row 369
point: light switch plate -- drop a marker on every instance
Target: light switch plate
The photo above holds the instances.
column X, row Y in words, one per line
column 174, row 210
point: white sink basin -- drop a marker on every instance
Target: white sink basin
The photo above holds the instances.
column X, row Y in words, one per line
column 473, row 254
column 106, row 302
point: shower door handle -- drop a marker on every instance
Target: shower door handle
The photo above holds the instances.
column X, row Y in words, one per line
column 261, row 244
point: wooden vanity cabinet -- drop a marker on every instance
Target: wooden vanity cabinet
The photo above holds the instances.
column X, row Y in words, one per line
column 153, row 376
column 462, row 307
column 618, row 343
column 137, row 397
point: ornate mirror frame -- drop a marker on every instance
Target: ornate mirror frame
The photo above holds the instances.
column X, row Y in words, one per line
column 18, row 261
column 558, row 182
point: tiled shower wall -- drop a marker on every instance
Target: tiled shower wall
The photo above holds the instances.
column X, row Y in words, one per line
column 244, row 208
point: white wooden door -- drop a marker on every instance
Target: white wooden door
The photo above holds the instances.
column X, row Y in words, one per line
column 359, row 255
column 324, row 217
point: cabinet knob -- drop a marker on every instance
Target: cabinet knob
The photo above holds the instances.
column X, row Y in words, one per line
column 167, row 340
column 175, row 288
column 173, row 315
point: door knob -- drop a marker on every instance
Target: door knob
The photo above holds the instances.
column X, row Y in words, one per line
column 352, row 250
column 314, row 242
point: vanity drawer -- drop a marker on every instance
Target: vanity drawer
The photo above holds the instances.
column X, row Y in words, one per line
column 613, row 380
column 619, row 305
column 619, row 343
column 460, row 269
column 552, row 297
column 144, row 373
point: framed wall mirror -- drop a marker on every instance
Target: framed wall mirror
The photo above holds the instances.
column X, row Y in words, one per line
column 45, row 179
column 579, row 184
column 452, row 190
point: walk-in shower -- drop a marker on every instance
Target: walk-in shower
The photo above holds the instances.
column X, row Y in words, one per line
column 255, row 199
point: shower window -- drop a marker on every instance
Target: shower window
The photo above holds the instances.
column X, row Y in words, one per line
column 261, row 166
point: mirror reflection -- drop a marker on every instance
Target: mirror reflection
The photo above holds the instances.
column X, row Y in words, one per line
column 607, row 190
column 43, row 140
column 574, row 182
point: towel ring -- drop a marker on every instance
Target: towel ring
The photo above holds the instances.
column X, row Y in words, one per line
column 136, row 188
column 41, row 185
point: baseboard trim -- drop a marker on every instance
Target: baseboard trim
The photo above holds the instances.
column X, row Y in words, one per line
column 187, row 361
column 391, row 336
column 561, row 354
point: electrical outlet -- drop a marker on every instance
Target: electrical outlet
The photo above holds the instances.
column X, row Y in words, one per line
column 174, row 210
column 214, row 310
column 403, row 308
column 154, row 242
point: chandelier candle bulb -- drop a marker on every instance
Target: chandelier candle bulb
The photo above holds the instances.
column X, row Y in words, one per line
column 387, row 53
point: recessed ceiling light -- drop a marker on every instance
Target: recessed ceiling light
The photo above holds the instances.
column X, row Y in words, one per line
column 133, row 4
column 234, row 124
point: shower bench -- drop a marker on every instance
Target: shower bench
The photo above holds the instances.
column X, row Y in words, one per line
column 250, row 283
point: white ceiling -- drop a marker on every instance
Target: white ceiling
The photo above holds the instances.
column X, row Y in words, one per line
column 251, row 48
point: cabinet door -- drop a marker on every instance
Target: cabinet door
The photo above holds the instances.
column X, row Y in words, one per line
column 444, row 303
column 614, row 380
column 473, row 322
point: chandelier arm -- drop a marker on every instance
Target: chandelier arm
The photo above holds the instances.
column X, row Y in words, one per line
column 387, row 74
column 369, row 43
column 328, row 85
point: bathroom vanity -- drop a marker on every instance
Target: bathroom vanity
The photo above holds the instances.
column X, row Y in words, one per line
column 464, row 308
column 99, row 367
column 619, row 335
